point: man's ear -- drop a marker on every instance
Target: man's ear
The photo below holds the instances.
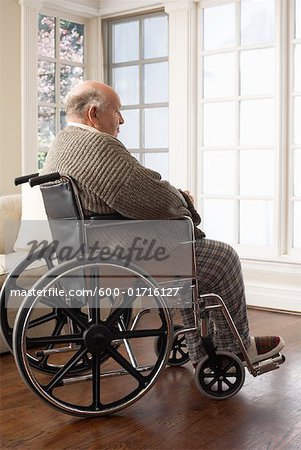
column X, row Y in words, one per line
column 92, row 113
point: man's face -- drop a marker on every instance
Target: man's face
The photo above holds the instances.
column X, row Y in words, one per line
column 109, row 121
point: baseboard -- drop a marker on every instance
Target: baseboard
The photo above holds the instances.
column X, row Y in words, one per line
column 273, row 310
column 273, row 298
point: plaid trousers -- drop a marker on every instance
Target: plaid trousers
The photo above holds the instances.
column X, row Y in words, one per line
column 219, row 272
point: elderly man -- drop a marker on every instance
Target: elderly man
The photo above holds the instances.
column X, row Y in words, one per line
column 110, row 180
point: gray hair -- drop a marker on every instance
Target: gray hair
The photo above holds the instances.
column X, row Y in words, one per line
column 77, row 104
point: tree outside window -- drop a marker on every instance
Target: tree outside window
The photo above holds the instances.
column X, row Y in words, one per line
column 60, row 68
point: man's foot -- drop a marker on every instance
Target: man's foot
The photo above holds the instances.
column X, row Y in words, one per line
column 263, row 347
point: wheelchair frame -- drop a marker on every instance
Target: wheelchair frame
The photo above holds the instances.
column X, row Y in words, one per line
column 219, row 375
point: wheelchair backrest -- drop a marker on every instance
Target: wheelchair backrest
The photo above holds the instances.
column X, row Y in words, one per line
column 65, row 215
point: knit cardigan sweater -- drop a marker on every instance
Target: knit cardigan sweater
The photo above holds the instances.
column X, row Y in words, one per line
column 109, row 179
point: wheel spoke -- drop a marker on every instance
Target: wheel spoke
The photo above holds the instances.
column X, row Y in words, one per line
column 116, row 314
column 93, row 301
column 228, row 383
column 64, row 339
column 174, row 353
column 42, row 320
column 57, row 330
column 126, row 365
column 181, row 339
column 231, row 375
column 184, row 354
column 220, row 386
column 96, row 380
column 203, row 376
column 127, row 303
column 228, row 366
column 127, row 334
column 209, row 385
column 77, row 318
column 65, row 369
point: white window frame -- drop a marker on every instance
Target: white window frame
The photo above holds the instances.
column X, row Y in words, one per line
column 272, row 282
column 281, row 251
column 290, row 194
column 29, row 64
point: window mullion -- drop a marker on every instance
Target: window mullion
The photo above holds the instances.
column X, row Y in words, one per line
column 237, row 122
column 282, row 178
column 57, row 75
column 141, row 93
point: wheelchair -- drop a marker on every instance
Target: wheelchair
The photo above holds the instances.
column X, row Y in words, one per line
column 89, row 323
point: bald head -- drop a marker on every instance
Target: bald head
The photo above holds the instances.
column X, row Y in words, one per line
column 95, row 104
column 86, row 94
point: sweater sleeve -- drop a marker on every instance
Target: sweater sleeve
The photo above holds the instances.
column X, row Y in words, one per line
column 147, row 197
column 133, row 190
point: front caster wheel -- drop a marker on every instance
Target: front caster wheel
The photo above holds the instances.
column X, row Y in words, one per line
column 221, row 379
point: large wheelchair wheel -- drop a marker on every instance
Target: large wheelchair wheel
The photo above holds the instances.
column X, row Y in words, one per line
column 21, row 279
column 51, row 317
column 122, row 363
column 222, row 378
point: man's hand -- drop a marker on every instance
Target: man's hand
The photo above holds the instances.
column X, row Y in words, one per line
column 190, row 196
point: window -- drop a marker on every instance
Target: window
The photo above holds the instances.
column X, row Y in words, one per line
column 60, row 67
column 295, row 130
column 137, row 68
column 243, row 142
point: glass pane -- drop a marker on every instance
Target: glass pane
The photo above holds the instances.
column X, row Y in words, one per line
column 46, row 36
column 257, row 122
column 219, row 220
column 219, row 75
column 297, row 225
column 126, row 84
column 63, row 121
column 297, row 68
column 257, row 21
column 46, row 81
column 256, row 222
column 72, row 41
column 129, row 131
column 297, row 121
column 155, row 37
column 297, row 172
column 41, row 159
column 46, row 127
column 219, row 26
column 156, row 128
column 298, row 19
column 125, row 41
column 219, row 124
column 256, row 172
column 157, row 162
column 257, row 72
column 219, row 172
column 70, row 77
column 156, row 83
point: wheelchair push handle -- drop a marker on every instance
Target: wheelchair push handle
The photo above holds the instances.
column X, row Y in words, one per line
column 25, row 178
column 44, row 179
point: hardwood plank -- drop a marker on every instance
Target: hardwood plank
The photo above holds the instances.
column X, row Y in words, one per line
column 265, row 414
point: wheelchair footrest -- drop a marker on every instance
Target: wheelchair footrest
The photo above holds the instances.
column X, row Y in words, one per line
column 269, row 364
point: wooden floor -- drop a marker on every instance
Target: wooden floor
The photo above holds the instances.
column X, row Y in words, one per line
column 265, row 414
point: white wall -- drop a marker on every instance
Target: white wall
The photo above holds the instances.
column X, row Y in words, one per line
column 10, row 94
